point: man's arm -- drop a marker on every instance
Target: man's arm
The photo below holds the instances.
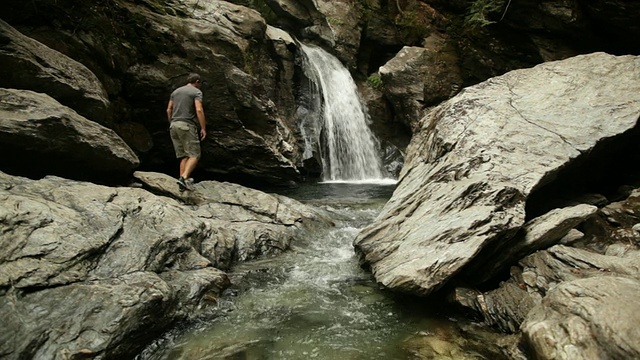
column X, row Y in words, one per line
column 201, row 119
column 169, row 110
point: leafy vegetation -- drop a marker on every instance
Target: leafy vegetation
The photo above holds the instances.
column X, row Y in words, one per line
column 375, row 82
column 482, row 12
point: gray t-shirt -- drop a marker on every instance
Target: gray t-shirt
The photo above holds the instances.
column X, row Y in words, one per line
column 184, row 108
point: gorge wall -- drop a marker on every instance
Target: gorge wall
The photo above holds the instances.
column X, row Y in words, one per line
column 406, row 55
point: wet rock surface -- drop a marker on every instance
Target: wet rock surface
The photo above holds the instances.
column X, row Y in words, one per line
column 586, row 319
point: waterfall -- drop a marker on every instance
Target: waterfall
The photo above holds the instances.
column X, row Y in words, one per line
column 335, row 123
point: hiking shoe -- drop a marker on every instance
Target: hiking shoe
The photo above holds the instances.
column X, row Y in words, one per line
column 182, row 184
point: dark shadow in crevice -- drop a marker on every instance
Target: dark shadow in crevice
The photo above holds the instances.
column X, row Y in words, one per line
column 607, row 169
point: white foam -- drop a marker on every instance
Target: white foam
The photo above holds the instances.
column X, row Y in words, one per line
column 386, row 181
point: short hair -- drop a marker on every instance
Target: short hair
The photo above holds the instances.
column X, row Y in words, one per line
column 193, row 77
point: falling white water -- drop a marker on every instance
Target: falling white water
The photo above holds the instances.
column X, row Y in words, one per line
column 336, row 125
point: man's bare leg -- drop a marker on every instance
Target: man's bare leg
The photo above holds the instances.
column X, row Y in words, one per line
column 190, row 165
column 187, row 165
column 183, row 164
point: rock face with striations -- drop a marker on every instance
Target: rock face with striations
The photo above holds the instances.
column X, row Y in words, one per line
column 95, row 271
column 39, row 136
column 478, row 157
column 419, row 77
column 593, row 318
column 332, row 23
column 30, row 65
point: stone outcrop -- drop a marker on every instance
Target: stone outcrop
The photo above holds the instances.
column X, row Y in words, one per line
column 250, row 137
column 589, row 24
column 95, row 271
column 591, row 318
column 247, row 223
column 30, row 65
column 334, row 24
column 140, row 51
column 420, row 77
column 479, row 156
column 39, row 136
column 607, row 246
column 484, row 39
column 489, row 182
column 538, row 233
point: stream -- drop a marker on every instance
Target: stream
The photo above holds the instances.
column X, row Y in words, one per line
column 315, row 302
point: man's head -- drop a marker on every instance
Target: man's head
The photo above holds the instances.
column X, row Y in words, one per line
column 194, row 79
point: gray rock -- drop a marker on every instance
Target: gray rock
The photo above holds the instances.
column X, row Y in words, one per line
column 44, row 137
column 299, row 11
column 539, row 233
column 248, row 95
column 88, row 269
column 275, row 34
column 593, row 318
column 478, row 156
column 29, row 65
column 544, row 270
column 242, row 223
column 335, row 24
column 572, row 236
column 419, row 77
column 507, row 306
column 249, row 137
column 343, row 22
column 96, row 271
column 504, row 308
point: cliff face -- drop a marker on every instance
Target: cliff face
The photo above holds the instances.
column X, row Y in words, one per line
column 140, row 51
column 116, row 62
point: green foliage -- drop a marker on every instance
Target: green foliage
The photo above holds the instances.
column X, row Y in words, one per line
column 481, row 12
column 375, row 82
column 367, row 8
column 335, row 21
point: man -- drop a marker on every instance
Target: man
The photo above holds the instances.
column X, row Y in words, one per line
column 185, row 114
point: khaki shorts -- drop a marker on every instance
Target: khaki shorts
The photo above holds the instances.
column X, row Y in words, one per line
column 186, row 141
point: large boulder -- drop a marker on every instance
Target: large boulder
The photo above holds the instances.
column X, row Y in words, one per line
column 478, row 157
column 592, row 318
column 245, row 223
column 95, row 271
column 86, row 269
column 28, row 64
column 250, row 139
column 39, row 136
